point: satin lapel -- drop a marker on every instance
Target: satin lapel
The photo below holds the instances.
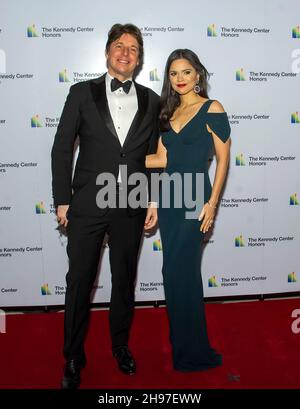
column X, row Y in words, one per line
column 99, row 94
column 142, row 97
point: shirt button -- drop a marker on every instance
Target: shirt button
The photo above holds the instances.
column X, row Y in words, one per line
column 122, row 155
column 120, row 108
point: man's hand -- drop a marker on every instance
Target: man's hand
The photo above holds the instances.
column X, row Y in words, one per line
column 151, row 218
column 61, row 215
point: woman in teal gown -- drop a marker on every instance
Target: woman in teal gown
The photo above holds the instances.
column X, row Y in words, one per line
column 191, row 125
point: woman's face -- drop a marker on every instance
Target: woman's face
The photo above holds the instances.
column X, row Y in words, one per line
column 183, row 76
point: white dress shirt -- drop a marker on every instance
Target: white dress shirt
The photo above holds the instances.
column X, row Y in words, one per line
column 123, row 108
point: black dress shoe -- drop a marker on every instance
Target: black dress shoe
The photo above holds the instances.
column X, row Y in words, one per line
column 125, row 360
column 71, row 378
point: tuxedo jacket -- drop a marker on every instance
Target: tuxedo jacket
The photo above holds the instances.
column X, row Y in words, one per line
column 86, row 115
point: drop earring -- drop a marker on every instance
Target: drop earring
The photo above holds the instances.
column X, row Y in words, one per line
column 197, row 88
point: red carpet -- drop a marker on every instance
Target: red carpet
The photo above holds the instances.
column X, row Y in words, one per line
column 255, row 338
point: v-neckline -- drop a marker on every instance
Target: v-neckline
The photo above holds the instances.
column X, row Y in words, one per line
column 193, row 117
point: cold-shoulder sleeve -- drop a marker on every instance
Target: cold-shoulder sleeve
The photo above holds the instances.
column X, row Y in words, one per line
column 219, row 124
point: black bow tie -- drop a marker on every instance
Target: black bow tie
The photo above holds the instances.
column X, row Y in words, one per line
column 116, row 84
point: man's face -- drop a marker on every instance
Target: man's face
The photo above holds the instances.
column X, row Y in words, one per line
column 123, row 57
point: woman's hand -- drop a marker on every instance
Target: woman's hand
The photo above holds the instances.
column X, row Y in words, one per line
column 158, row 159
column 207, row 214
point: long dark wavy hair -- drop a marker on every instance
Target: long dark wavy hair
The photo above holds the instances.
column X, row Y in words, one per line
column 170, row 99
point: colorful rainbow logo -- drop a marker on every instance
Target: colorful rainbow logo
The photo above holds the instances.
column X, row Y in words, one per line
column 239, row 241
column 153, row 75
column 157, row 245
column 31, row 31
column 239, row 160
column 295, row 118
column 212, row 282
column 35, row 122
column 292, row 278
column 211, row 31
column 240, row 75
column 294, row 200
column 296, row 32
column 40, row 208
column 45, row 290
column 63, row 76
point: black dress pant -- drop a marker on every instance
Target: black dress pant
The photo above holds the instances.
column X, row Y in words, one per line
column 85, row 237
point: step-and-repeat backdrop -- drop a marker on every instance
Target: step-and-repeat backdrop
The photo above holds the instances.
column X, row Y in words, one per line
column 252, row 51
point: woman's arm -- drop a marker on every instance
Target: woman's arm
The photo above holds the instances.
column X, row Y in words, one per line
column 158, row 159
column 222, row 155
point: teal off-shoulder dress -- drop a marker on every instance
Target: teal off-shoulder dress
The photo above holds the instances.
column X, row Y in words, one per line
column 188, row 152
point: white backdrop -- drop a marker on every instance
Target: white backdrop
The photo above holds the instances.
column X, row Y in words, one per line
column 252, row 51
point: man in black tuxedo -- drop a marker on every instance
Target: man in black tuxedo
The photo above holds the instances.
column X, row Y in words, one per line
column 116, row 121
